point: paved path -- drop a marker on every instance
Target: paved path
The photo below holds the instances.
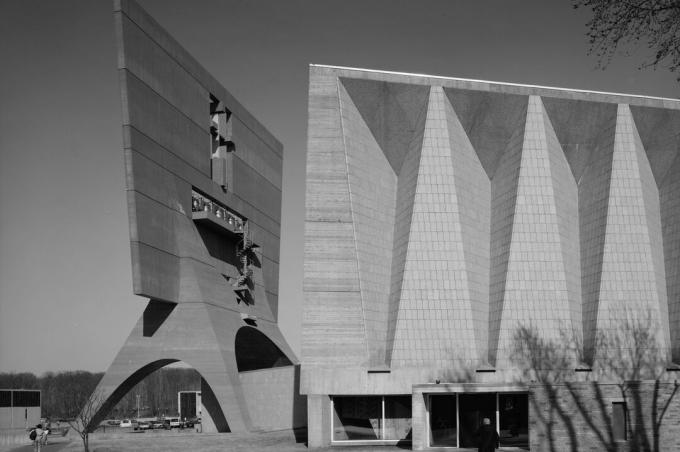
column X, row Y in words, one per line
column 52, row 446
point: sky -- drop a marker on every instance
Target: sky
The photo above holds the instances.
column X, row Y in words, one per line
column 66, row 297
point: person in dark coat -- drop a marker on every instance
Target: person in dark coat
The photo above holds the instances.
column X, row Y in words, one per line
column 487, row 437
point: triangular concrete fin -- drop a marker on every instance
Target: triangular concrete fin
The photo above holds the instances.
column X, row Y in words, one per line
column 659, row 131
column 490, row 120
column 391, row 111
column 578, row 125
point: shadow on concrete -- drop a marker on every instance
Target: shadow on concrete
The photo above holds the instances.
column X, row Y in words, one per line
column 575, row 409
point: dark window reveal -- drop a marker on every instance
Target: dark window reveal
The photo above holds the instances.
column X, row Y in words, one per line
column 619, row 414
column 5, row 399
column 26, row 398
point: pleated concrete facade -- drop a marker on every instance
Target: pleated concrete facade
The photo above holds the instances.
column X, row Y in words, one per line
column 444, row 217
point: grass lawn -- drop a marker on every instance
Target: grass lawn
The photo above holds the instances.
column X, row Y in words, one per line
column 208, row 442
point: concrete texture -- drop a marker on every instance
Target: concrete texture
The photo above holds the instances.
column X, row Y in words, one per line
column 484, row 233
column 188, row 269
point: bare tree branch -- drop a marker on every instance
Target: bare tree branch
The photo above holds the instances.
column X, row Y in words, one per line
column 624, row 25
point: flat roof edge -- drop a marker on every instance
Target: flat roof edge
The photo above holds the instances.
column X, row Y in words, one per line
column 509, row 84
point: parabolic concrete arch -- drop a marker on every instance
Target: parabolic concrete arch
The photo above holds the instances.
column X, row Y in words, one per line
column 210, row 339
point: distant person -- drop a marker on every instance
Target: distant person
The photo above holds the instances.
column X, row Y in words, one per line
column 37, row 440
column 47, row 426
column 487, row 437
column 46, row 431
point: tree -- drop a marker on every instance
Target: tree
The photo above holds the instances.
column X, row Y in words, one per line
column 625, row 24
column 82, row 422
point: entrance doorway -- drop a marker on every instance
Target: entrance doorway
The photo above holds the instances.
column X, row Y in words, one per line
column 443, row 420
column 473, row 409
column 455, row 418
column 514, row 420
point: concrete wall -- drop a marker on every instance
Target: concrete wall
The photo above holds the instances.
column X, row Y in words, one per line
column 274, row 402
column 194, row 312
column 518, row 212
column 475, row 232
column 578, row 416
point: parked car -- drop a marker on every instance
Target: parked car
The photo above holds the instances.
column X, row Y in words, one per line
column 175, row 422
column 125, row 423
column 143, row 425
column 157, row 424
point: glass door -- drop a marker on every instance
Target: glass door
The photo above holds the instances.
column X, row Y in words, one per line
column 443, row 422
column 473, row 408
column 514, row 420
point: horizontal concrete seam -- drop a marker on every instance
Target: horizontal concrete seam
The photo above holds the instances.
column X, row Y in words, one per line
column 584, row 91
column 204, row 127
column 330, row 290
column 193, row 76
column 190, row 182
column 165, row 149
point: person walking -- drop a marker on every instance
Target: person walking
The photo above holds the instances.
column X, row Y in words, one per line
column 487, row 437
column 37, row 442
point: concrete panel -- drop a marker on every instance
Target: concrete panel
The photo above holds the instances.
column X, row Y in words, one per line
column 504, row 187
column 578, row 125
column 153, row 66
column 319, row 418
column 406, row 191
column 271, row 395
column 541, row 293
column 167, row 230
column 333, row 330
column 391, row 111
column 160, row 121
column 333, row 326
column 489, row 120
column 473, row 192
column 155, row 182
column 632, row 294
column 155, row 274
column 435, row 323
column 372, row 187
column 669, row 197
column 162, row 38
column 256, row 153
column 254, row 189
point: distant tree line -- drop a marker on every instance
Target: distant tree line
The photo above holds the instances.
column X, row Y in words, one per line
column 158, row 393
column 64, row 393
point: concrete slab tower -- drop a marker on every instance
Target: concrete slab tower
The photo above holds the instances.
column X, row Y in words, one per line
column 204, row 204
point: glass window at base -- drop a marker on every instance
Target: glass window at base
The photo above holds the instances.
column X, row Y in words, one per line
column 357, row 418
column 513, row 420
column 397, row 418
column 443, row 421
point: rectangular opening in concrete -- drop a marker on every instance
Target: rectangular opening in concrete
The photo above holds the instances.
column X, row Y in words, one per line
column 455, row 419
column 371, row 419
column 443, row 420
column 513, row 417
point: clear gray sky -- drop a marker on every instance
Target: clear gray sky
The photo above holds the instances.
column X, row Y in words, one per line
column 65, row 280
